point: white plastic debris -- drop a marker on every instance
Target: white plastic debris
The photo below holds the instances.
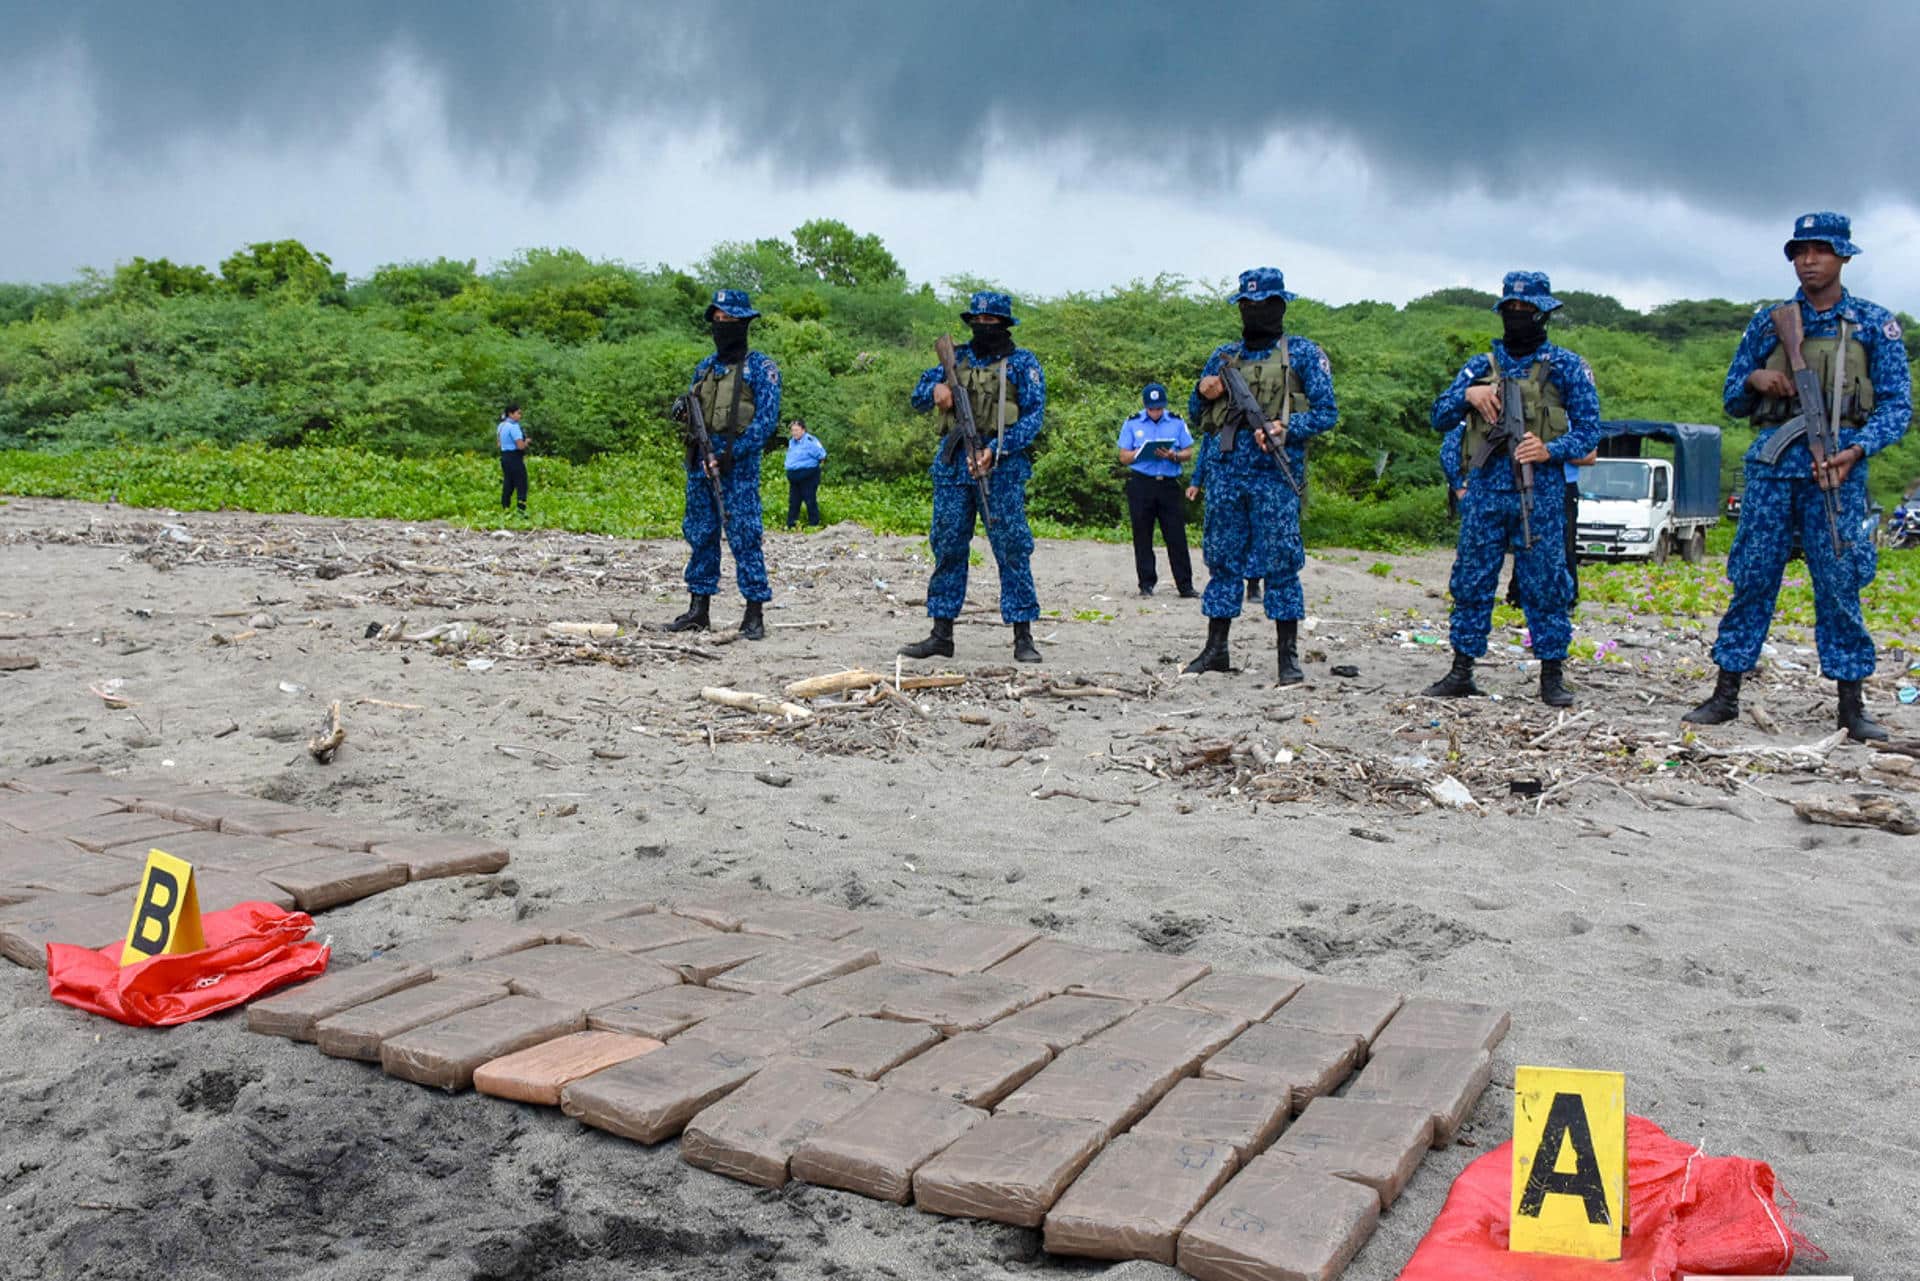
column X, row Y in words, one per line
column 1450, row 791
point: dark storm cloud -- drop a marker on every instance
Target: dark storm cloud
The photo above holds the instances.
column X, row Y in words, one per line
column 1716, row 101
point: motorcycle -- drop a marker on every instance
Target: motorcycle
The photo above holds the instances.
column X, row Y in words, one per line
column 1903, row 527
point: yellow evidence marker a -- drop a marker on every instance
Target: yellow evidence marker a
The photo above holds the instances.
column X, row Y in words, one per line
column 166, row 912
column 1569, row 1162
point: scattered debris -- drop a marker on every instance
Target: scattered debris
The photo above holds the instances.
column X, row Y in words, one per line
column 332, row 734
column 1868, row 809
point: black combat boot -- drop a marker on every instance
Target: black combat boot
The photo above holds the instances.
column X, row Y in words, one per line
column 752, row 627
column 1723, row 705
column 1023, row 650
column 1286, row 639
column 695, row 619
column 940, row 642
column 1553, row 690
column 1213, row 658
column 1457, row 683
column 1860, row 727
column 1253, row 590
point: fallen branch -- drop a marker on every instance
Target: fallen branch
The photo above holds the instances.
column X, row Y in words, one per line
column 332, row 734
column 1047, row 794
column 1563, row 723
column 833, row 683
column 929, row 682
column 749, row 701
column 1693, row 802
column 1804, row 756
column 538, row 755
column 1883, row 812
column 888, row 691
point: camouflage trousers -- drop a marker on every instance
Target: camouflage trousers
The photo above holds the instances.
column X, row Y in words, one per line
column 1489, row 528
column 701, row 528
column 1252, row 530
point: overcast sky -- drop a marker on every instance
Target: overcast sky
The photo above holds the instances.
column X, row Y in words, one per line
column 1372, row 149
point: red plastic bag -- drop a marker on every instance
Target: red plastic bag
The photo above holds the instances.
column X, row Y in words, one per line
column 1687, row 1212
column 252, row 948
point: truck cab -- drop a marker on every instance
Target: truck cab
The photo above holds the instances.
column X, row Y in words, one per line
column 1645, row 508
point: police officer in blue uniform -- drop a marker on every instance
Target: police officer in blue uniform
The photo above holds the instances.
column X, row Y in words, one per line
column 1153, row 488
column 739, row 395
column 1855, row 349
column 1562, row 414
column 1008, row 394
column 1252, row 525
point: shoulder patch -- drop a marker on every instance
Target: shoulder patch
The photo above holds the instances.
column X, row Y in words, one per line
column 1891, row 329
column 1325, row 368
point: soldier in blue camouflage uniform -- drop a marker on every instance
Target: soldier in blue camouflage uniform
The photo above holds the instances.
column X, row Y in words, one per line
column 1562, row 412
column 1872, row 391
column 1008, row 394
column 739, row 393
column 1252, row 525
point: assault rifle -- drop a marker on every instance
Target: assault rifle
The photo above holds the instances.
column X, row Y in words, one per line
column 1507, row 435
column 1244, row 410
column 687, row 410
column 1816, row 423
column 966, row 432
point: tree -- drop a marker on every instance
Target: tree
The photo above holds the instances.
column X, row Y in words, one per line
column 1695, row 317
column 403, row 283
column 757, row 267
column 282, row 267
column 1583, row 308
column 1457, row 296
column 839, row 255
column 144, row 279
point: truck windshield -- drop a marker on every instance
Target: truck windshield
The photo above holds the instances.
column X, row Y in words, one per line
column 1618, row 478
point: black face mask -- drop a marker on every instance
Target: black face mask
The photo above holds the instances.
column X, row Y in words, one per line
column 730, row 340
column 991, row 342
column 1262, row 323
column 1526, row 330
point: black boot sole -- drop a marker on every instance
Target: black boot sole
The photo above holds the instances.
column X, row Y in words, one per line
column 925, row 650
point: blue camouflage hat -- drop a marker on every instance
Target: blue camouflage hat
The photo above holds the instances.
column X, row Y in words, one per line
column 988, row 302
column 1530, row 287
column 1261, row 283
column 1153, row 396
column 1835, row 229
column 734, row 302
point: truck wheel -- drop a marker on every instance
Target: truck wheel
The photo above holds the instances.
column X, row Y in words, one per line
column 1696, row 549
column 1663, row 546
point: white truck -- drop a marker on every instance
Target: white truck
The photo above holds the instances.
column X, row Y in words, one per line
column 1634, row 508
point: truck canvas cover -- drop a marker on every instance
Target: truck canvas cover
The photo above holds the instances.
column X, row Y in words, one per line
column 1696, row 458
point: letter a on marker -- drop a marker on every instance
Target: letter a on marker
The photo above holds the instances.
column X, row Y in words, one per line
column 1569, row 1162
column 166, row 912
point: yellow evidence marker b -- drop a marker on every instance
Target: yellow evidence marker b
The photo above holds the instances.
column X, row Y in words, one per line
column 166, row 912
column 1569, row 1162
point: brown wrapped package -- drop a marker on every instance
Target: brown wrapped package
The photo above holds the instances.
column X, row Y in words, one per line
column 79, row 919
column 787, row 967
column 445, row 1053
column 220, row 851
column 108, row 831
column 1052, row 966
column 1307, row 1064
column 662, row 1013
column 800, row 921
column 55, row 867
column 867, row 990
column 294, row 1011
column 752, row 1133
column 1250, row 996
column 1339, row 1009
column 1010, row 1169
column 975, row 1068
column 45, row 811
column 582, row 976
column 1062, row 1021
column 538, row 1073
column 333, row 877
column 704, row 960
column 1142, row 976
column 642, row 933
column 559, row 918
column 1169, row 1035
column 862, row 1047
column 761, row 1026
column 264, row 818
column 723, row 907
column 1445, row 1025
column 223, row 889
column 945, row 947
column 472, row 941
column 1446, row 1083
column 357, row 834
column 1244, row 1117
column 427, row 857
column 1275, row 1223
column 1376, row 1144
column 356, row 1033
column 960, row 1003
column 874, row 1149
column 1136, row 1196
column 1085, row 1084
column 652, row 1097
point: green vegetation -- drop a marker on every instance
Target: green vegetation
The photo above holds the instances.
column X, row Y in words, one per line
column 278, row 384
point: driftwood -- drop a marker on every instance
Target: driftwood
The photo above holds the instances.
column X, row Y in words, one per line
column 18, row 662
column 1807, row 756
column 1866, row 810
column 1047, row 794
column 749, row 701
column 590, row 631
column 332, row 734
column 929, row 682
column 833, row 683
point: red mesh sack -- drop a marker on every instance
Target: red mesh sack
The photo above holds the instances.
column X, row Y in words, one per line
column 1687, row 1212
column 252, row 949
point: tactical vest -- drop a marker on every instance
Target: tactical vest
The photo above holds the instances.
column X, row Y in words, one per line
column 1542, row 408
column 1856, row 398
column 726, row 401
column 986, row 390
column 1273, row 382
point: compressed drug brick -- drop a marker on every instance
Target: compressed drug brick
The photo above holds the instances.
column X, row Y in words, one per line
column 1376, row 1144
column 1272, row 1222
column 1010, row 1169
column 1086, row 1084
column 1250, row 996
column 1339, row 1009
column 875, row 1149
column 446, row 1052
column 106, row 831
column 787, row 967
column 333, row 877
column 974, row 1068
column 1446, row 1083
column 1052, row 966
column 1137, row 1194
column 1062, row 1021
column 753, row 1132
column 662, row 1013
column 945, row 947
column 1244, row 1117
column 471, row 941
column 1445, row 1025
column 1169, row 1035
column 79, row 919
column 293, row 1012
column 762, row 1026
column 538, row 1073
column 643, row 933
column 427, row 857
column 1306, row 1064
column 866, row 991
column 651, row 1098
column 863, row 1047
column 704, row 960
column 800, row 921
column 356, row 1033
column 960, row 1003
